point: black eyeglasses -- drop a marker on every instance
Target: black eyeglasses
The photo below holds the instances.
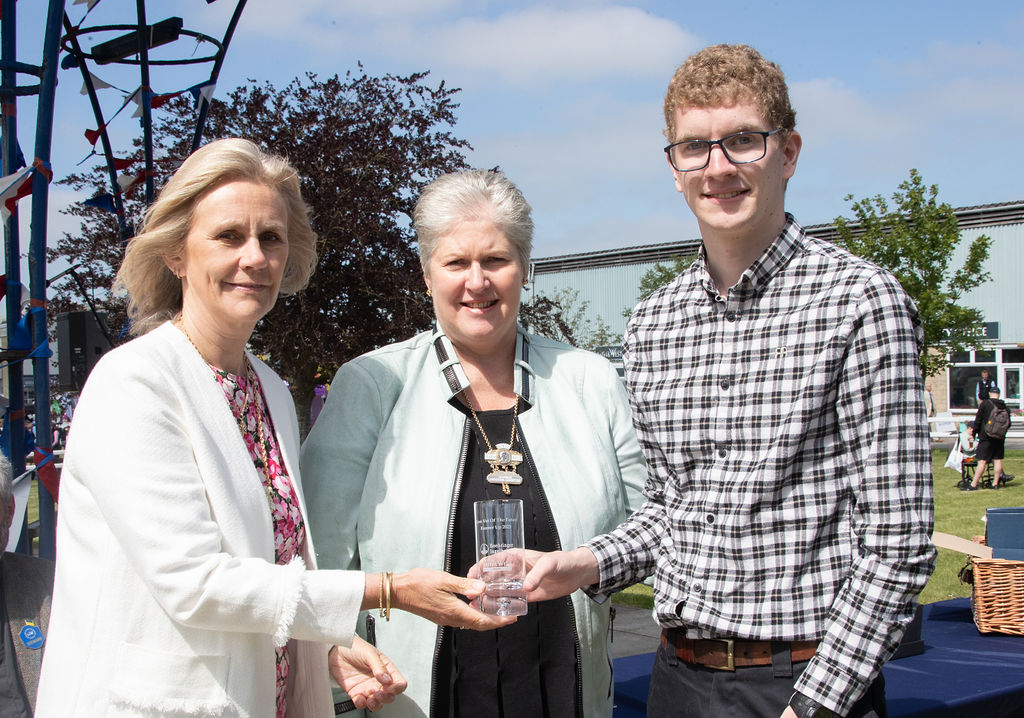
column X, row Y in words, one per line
column 740, row 148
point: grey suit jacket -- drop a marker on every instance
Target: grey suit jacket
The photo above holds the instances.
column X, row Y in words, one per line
column 27, row 587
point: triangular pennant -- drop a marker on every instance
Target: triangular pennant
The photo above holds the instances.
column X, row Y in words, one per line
column 156, row 101
column 97, row 84
column 103, row 201
column 137, row 99
column 203, row 91
column 46, row 470
column 12, row 188
column 93, row 136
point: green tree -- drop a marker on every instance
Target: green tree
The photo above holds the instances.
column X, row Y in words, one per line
column 364, row 147
column 916, row 239
column 562, row 316
column 661, row 274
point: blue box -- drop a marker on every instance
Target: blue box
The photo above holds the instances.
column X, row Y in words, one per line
column 1013, row 554
column 1005, row 527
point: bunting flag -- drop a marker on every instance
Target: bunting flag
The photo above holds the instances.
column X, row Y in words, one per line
column 93, row 136
column 90, row 3
column 12, row 188
column 20, row 186
column 122, row 164
column 136, row 97
column 46, row 470
column 103, row 201
column 97, row 84
column 155, row 101
column 128, row 182
column 203, row 91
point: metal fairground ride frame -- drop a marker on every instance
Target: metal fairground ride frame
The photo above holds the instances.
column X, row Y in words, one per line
column 130, row 44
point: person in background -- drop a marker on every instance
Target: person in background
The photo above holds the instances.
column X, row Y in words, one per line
column 185, row 581
column 989, row 448
column 985, row 384
column 412, row 434
column 25, row 586
column 776, row 390
column 929, row 400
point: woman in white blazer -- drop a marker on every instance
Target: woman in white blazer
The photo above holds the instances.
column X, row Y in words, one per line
column 184, row 580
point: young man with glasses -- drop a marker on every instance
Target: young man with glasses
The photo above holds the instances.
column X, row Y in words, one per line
column 777, row 395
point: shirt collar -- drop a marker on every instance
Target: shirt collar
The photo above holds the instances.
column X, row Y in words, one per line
column 453, row 377
column 766, row 266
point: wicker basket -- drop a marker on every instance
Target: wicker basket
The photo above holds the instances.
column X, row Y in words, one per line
column 997, row 599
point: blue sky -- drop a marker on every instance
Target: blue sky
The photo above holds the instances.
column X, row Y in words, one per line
column 566, row 96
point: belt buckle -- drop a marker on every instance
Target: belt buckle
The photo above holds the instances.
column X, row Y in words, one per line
column 730, row 655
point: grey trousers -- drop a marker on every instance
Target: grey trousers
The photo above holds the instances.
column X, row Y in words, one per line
column 683, row 690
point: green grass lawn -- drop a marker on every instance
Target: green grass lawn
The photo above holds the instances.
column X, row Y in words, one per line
column 956, row 512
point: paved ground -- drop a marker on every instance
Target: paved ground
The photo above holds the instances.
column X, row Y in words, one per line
column 634, row 632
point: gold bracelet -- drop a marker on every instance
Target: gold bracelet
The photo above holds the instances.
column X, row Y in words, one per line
column 380, row 595
column 387, row 595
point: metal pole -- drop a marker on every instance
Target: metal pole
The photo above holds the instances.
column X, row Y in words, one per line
column 147, row 93
column 37, row 267
column 204, row 106
column 15, row 372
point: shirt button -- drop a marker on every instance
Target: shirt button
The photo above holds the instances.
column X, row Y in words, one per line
column 721, row 450
column 697, row 588
column 725, row 383
column 710, row 518
column 730, row 316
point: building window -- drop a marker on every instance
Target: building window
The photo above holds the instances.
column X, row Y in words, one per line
column 963, row 385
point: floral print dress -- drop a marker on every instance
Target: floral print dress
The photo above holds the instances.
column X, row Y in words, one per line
column 245, row 397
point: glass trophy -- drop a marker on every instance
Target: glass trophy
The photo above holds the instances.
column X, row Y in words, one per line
column 501, row 556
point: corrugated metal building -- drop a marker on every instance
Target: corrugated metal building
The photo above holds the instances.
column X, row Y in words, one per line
column 608, row 281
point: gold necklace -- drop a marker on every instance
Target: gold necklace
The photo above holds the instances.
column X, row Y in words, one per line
column 252, row 379
column 502, row 458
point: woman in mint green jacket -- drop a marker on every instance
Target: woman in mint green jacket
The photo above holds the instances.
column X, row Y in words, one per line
column 397, row 457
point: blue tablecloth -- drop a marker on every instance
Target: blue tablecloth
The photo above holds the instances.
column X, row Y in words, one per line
column 961, row 674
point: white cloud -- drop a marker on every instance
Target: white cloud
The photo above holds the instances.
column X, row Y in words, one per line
column 536, row 45
column 545, row 45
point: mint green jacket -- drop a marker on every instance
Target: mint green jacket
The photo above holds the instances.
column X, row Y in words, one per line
column 381, row 464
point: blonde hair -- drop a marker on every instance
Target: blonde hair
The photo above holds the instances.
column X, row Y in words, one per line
column 154, row 293
column 723, row 75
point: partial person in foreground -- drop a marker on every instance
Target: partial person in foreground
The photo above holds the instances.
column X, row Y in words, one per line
column 184, row 578
column 990, row 426
column 777, row 394
column 413, row 434
column 25, row 586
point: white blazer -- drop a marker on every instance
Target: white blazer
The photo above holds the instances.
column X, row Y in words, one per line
column 166, row 600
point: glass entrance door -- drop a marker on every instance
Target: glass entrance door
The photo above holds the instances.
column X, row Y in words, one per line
column 1011, row 386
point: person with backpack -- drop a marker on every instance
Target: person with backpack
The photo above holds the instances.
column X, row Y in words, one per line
column 991, row 424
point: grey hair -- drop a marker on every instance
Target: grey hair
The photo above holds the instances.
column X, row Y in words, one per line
column 473, row 195
column 6, row 483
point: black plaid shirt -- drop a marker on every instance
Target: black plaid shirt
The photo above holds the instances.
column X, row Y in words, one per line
column 789, row 491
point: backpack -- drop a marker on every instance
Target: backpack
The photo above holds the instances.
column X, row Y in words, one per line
column 998, row 422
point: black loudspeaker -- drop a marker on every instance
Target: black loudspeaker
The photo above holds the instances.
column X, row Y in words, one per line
column 80, row 343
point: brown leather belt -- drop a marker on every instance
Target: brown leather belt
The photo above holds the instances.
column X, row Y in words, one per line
column 727, row 654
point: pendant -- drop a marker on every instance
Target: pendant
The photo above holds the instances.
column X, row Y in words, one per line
column 503, row 456
column 503, row 461
column 500, row 476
